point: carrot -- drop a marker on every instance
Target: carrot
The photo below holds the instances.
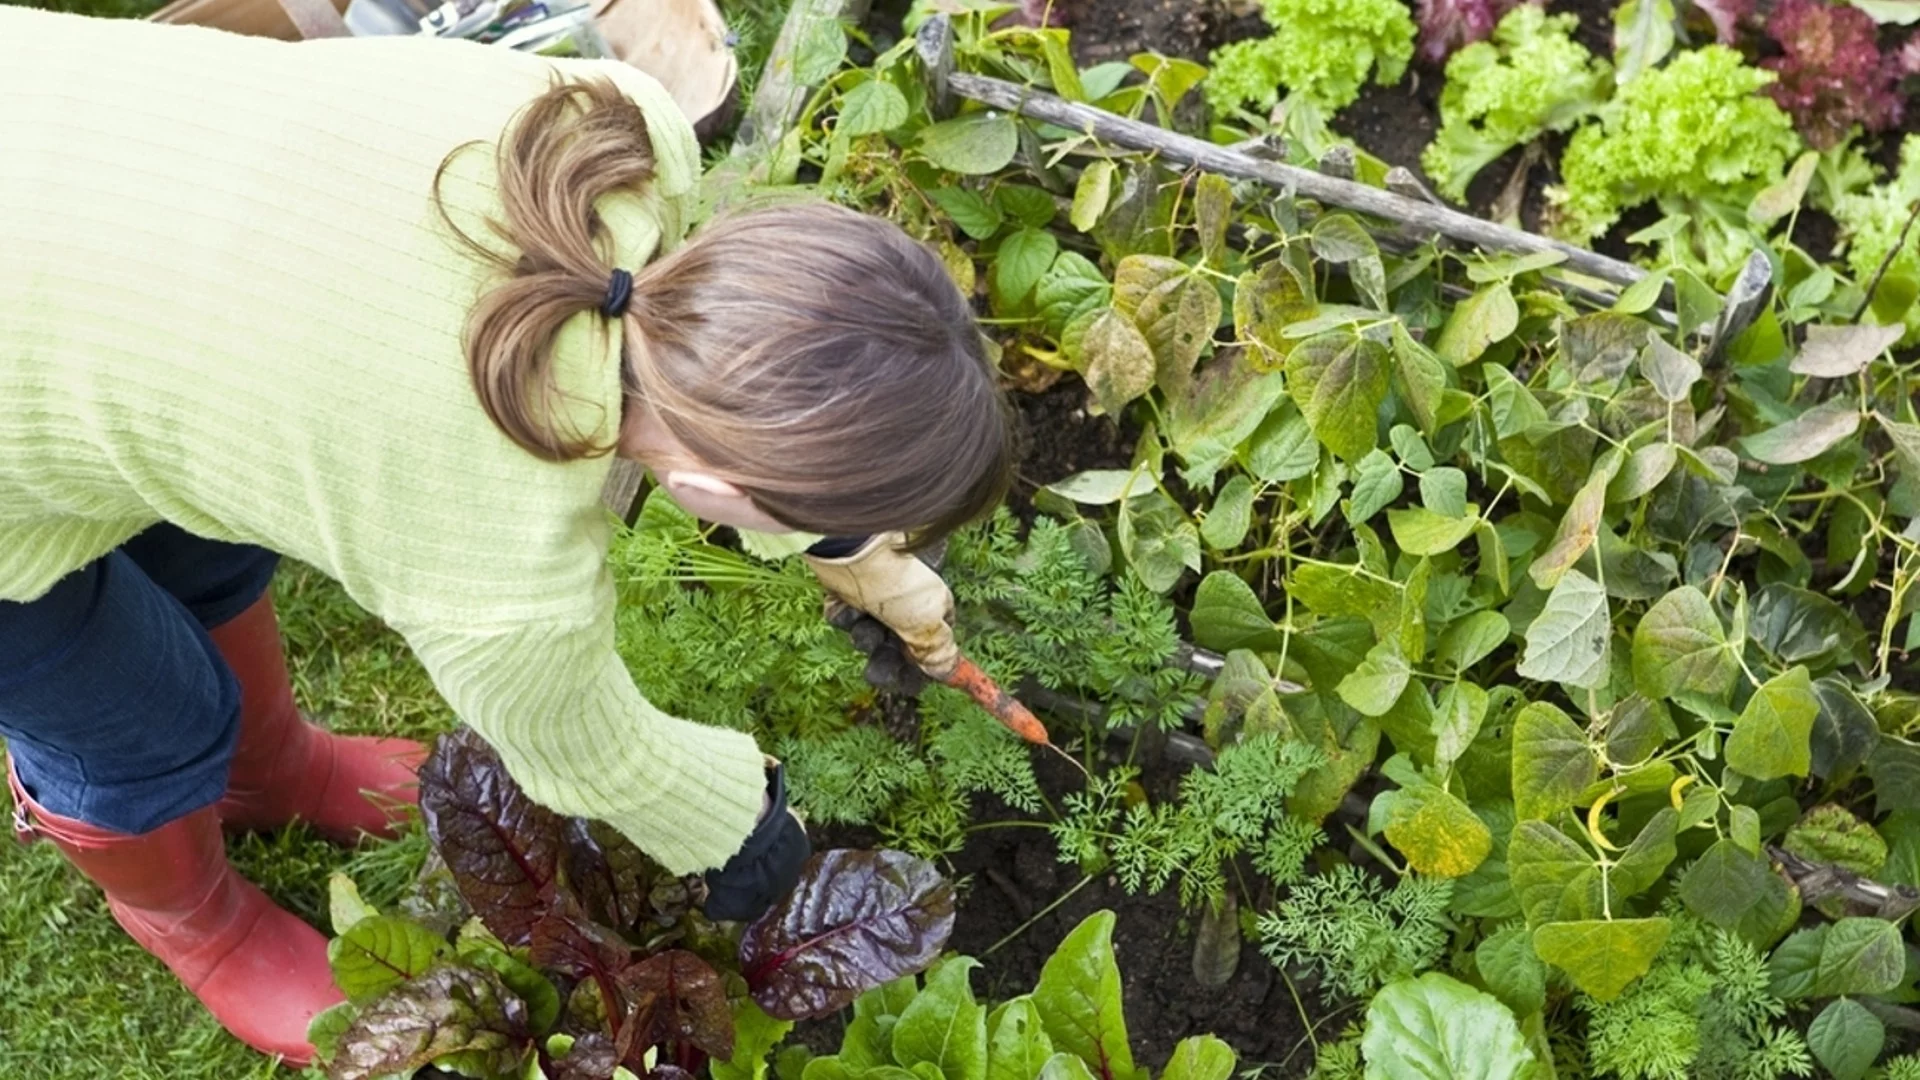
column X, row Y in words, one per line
column 968, row 677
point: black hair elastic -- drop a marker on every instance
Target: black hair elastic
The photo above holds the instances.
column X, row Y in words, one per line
column 619, row 292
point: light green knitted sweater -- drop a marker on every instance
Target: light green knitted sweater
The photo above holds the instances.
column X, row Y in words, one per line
column 226, row 301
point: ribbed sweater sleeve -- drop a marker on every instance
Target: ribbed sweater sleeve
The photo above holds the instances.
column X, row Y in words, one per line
column 556, row 702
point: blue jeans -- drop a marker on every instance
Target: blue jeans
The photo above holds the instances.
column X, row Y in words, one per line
column 115, row 705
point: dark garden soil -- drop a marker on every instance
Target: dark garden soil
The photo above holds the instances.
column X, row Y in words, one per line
column 1018, row 901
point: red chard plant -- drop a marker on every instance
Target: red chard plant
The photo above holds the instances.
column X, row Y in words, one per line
column 584, row 960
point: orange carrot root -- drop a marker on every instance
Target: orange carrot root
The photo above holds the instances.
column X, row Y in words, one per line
column 968, row 677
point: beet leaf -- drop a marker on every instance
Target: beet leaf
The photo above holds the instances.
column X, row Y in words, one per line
column 463, row 1018
column 858, row 919
column 502, row 848
column 675, row 997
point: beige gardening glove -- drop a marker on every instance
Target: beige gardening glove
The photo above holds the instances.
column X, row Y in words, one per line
column 895, row 587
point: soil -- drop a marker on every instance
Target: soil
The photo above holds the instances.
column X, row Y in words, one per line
column 1106, row 30
column 1010, row 878
column 1055, row 437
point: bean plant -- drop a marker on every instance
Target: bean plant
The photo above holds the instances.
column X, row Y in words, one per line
column 1565, row 629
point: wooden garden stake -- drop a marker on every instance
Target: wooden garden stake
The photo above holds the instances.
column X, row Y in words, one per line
column 934, row 45
column 1196, row 153
column 1744, row 301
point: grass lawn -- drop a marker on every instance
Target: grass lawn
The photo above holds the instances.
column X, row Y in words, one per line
column 78, row 1000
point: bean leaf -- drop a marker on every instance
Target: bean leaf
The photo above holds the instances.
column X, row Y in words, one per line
column 1671, row 372
column 1512, row 970
column 1377, row 683
column 1376, row 484
column 1227, row 615
column 1569, row 642
column 1118, row 359
column 1420, row 531
column 1846, row 1039
column 972, row 145
column 1806, row 436
column 1680, row 645
column 1553, row 877
column 856, row 920
column 873, row 106
column 1487, row 316
column 1338, row 379
column 1602, row 955
column 1553, row 762
column 1772, row 738
column 1437, row 832
column 1022, row 260
column 1835, row 352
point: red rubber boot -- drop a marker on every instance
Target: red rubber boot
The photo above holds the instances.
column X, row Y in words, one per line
column 286, row 768
column 260, row 970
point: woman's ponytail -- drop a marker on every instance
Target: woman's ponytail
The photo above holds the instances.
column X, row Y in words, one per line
column 572, row 145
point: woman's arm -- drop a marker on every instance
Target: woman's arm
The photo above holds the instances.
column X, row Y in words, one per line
column 575, row 732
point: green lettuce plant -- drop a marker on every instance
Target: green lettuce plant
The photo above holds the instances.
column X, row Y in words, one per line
column 1320, row 50
column 1694, row 137
column 1531, row 78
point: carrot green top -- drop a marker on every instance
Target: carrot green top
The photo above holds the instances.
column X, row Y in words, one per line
column 227, row 302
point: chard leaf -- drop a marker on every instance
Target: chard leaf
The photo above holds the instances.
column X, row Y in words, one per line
column 1017, row 1043
column 1079, row 1000
column 856, row 920
column 1201, row 1057
column 502, row 848
column 381, row 952
column 674, row 997
column 944, row 1027
column 458, row 1016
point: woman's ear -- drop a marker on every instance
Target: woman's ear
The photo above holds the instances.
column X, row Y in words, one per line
column 710, row 498
column 679, row 481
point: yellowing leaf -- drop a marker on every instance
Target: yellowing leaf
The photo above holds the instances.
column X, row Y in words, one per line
column 1119, row 362
column 1091, row 194
column 1602, row 956
column 1680, row 645
column 1338, row 379
column 1487, row 316
column 1773, row 737
column 1439, row 834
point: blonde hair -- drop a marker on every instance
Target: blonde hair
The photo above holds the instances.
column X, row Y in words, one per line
column 818, row 359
